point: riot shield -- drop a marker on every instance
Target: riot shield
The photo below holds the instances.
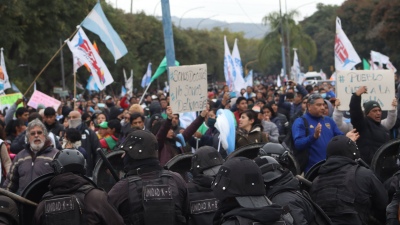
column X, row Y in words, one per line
column 249, row 151
column 181, row 164
column 101, row 174
column 384, row 161
column 312, row 173
column 34, row 192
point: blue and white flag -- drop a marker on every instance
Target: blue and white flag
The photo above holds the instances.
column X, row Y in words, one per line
column 228, row 67
column 239, row 82
column 146, row 77
column 227, row 131
column 4, row 81
column 97, row 22
column 249, row 79
column 123, row 91
column 91, row 85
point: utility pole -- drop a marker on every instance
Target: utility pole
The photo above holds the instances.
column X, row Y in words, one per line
column 168, row 34
column 282, row 41
column 131, row 6
column 62, row 66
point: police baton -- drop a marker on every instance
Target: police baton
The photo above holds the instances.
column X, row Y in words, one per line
column 304, row 181
column 17, row 197
column 107, row 164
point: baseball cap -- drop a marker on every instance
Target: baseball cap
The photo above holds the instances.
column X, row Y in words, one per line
column 108, row 97
column 103, row 125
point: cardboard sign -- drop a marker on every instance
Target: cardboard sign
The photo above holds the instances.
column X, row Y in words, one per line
column 41, row 98
column 380, row 86
column 188, row 88
column 6, row 101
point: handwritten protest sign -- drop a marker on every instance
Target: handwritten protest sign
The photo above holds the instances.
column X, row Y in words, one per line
column 6, row 101
column 188, row 88
column 41, row 98
column 380, row 85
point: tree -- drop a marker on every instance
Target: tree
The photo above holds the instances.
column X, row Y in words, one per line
column 270, row 47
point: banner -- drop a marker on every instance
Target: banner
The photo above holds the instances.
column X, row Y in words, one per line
column 346, row 56
column 4, row 81
column 188, row 88
column 83, row 51
column 379, row 84
column 41, row 98
column 6, row 101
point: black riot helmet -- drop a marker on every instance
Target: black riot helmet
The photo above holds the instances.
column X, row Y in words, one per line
column 69, row 160
column 140, row 144
column 9, row 210
column 270, row 168
column 277, row 151
column 206, row 160
column 237, row 177
column 342, row 146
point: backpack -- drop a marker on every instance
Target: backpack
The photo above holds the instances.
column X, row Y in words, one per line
column 300, row 156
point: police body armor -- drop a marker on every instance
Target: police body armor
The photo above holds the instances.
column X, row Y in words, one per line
column 202, row 203
column 66, row 209
column 152, row 201
column 335, row 194
column 247, row 221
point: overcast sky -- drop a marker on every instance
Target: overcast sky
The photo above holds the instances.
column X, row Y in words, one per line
column 247, row 11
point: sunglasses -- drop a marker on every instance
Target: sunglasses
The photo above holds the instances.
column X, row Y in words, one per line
column 33, row 133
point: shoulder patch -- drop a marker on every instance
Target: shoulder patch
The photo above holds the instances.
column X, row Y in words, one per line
column 203, row 206
column 157, row 192
column 59, row 205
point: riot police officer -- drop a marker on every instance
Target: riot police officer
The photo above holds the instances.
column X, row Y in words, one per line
column 240, row 189
column 206, row 162
column 347, row 192
column 73, row 198
column 148, row 195
column 284, row 189
column 8, row 211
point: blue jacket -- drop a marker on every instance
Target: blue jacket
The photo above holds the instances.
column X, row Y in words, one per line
column 316, row 147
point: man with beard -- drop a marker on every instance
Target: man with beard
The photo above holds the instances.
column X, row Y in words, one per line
column 33, row 161
column 90, row 142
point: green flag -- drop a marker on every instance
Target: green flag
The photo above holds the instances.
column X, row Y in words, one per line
column 161, row 69
column 366, row 64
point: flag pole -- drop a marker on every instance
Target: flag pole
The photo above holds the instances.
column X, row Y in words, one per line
column 144, row 93
column 45, row 67
column 74, row 98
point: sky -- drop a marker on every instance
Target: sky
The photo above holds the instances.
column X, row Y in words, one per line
column 245, row 11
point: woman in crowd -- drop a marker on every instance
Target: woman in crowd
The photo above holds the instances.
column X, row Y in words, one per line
column 249, row 130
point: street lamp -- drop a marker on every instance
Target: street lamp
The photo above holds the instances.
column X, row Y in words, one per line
column 187, row 12
column 205, row 19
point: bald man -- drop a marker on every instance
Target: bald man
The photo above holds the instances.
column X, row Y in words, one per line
column 90, row 142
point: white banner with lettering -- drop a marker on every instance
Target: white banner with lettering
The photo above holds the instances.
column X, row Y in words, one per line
column 380, row 85
column 188, row 88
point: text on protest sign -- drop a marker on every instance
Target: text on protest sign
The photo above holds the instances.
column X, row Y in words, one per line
column 41, row 98
column 188, row 88
column 6, row 101
column 380, row 86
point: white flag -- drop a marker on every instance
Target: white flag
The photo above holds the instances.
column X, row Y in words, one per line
column 84, row 52
column 278, row 81
column 295, row 68
column 128, row 82
column 382, row 59
column 228, row 66
column 146, row 79
column 249, row 79
column 4, row 81
column 239, row 82
column 346, row 56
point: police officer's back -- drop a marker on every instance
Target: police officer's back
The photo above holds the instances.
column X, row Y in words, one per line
column 206, row 162
column 148, row 194
column 347, row 192
column 8, row 211
column 283, row 189
column 240, row 189
column 72, row 198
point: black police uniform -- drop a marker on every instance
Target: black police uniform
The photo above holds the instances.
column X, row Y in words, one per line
column 8, row 211
column 239, row 187
column 347, row 192
column 206, row 162
column 148, row 194
column 72, row 199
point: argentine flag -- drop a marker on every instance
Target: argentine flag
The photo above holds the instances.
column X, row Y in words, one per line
column 97, row 22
